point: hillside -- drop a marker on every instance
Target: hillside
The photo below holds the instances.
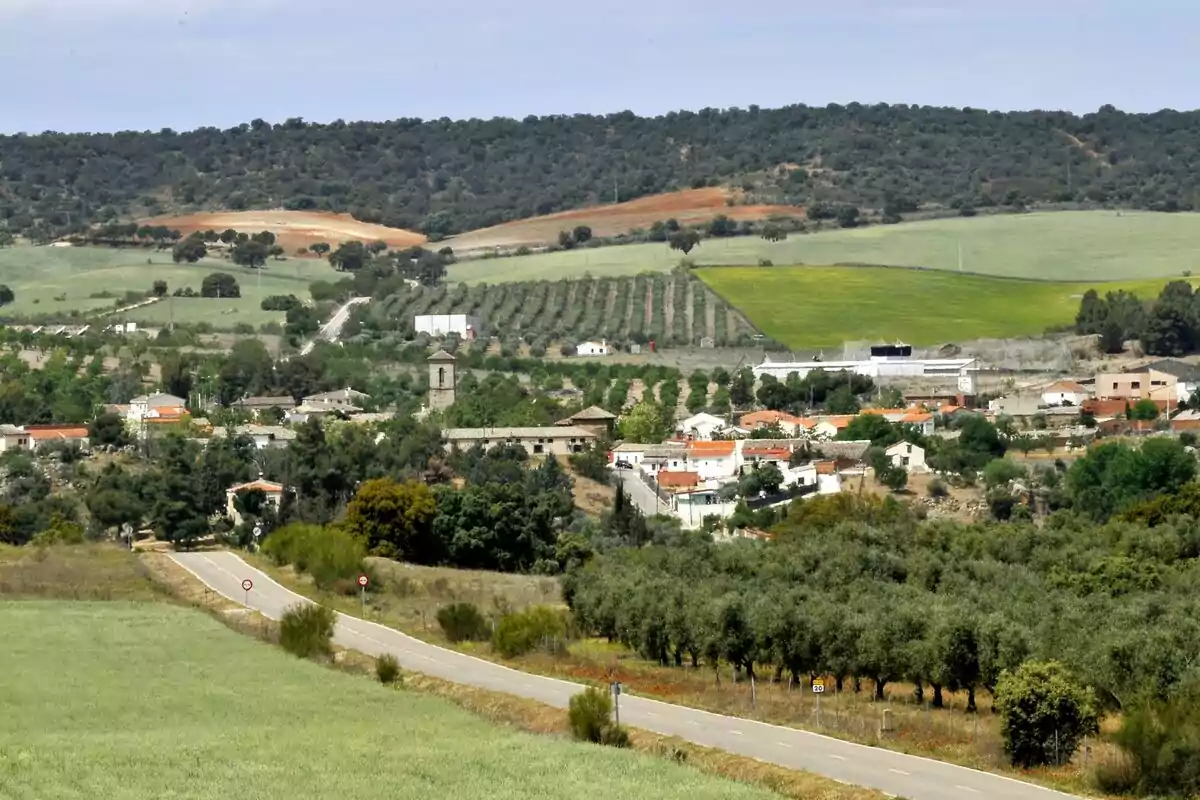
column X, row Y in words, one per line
column 444, row 177
column 292, row 229
column 688, row 207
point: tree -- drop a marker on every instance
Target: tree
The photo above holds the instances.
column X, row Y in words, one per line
column 848, row 217
column 349, row 257
column 721, row 226
column 191, row 250
column 684, row 241
column 1001, row 471
column 6, row 238
column 220, row 284
column 773, row 233
column 581, row 234
column 565, row 240
column 647, row 422
column 892, row 476
column 1044, row 713
column 6, row 295
column 741, row 388
column 320, row 248
column 108, row 429
column 228, row 236
column 252, row 253
column 160, row 289
column 395, row 520
column 1144, row 410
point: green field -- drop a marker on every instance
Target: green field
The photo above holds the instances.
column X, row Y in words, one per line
column 807, row 307
column 1058, row 245
column 129, row 701
column 40, row 274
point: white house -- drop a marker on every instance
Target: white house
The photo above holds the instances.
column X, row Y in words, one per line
column 702, row 426
column 141, row 407
column 272, row 496
column 907, row 455
column 342, row 398
column 600, row 348
column 712, row 460
column 464, row 325
column 1064, row 393
column 13, row 438
column 670, row 456
column 629, row 453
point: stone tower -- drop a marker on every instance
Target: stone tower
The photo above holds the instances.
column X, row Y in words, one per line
column 441, row 380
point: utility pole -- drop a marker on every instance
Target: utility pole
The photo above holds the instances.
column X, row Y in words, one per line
column 960, row 260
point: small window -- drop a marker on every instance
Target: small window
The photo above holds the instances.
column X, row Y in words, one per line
column 538, row 449
column 1135, row 385
column 1114, row 384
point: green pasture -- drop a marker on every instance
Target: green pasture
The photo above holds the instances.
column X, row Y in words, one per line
column 40, row 275
column 1053, row 245
column 807, row 307
column 129, row 701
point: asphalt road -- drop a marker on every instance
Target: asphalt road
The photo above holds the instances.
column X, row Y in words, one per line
column 332, row 329
column 895, row 773
column 641, row 494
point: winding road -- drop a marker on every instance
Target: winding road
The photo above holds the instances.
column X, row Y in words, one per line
column 907, row 776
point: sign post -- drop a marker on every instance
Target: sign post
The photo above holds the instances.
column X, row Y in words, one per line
column 247, row 585
column 818, row 687
column 363, row 580
column 616, row 692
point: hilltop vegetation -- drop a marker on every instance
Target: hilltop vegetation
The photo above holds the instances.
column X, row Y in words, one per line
column 443, row 177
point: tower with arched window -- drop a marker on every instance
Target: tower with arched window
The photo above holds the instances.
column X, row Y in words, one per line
column 442, row 377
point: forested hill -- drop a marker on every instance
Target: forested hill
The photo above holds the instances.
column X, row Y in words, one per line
column 443, row 176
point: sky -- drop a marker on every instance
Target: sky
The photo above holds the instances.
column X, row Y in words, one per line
column 107, row 65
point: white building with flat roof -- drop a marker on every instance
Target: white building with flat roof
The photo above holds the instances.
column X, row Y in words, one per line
column 889, row 361
column 464, row 325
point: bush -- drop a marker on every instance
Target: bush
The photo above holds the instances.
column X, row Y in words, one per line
column 387, row 669
column 306, row 630
column 590, row 718
column 521, row 633
column 1044, row 713
column 462, row 622
column 938, row 488
column 1162, row 742
column 329, row 555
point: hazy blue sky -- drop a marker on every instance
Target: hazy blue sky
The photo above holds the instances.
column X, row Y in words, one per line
column 147, row 64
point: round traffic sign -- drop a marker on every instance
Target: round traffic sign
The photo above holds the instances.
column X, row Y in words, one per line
column 363, row 581
column 247, row 584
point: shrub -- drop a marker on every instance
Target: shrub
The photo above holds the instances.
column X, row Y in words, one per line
column 306, row 630
column 521, row 633
column 387, row 669
column 1044, row 713
column 590, row 718
column 1161, row 739
column 329, row 555
column 938, row 488
column 462, row 622
column 765, row 262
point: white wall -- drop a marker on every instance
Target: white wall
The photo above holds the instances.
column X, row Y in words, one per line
column 710, row 468
column 443, row 324
column 592, row 349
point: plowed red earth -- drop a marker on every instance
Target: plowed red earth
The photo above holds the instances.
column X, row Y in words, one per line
column 293, row 229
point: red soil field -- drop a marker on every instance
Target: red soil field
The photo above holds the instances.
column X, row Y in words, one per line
column 293, row 229
column 690, row 207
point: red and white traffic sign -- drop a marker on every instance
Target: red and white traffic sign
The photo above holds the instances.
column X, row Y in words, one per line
column 363, row 581
column 247, row 584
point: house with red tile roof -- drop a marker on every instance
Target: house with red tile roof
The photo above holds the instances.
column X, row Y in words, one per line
column 712, row 459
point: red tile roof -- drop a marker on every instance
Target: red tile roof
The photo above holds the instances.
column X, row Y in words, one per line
column 40, row 433
column 711, row 449
column 678, row 480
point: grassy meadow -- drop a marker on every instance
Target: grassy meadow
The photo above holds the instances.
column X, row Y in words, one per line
column 125, row 701
column 808, row 307
column 39, row 275
column 1053, row 245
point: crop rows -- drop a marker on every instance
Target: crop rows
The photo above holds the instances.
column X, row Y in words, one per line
column 621, row 310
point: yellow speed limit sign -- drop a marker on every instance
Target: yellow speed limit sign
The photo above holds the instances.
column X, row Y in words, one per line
column 818, row 685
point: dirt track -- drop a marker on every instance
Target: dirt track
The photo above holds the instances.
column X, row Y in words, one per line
column 689, row 207
column 293, row 229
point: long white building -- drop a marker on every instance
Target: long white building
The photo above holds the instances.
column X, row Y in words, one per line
column 885, row 362
column 464, row 325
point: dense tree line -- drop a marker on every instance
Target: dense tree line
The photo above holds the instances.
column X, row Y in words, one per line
column 1170, row 326
column 861, row 589
column 443, row 176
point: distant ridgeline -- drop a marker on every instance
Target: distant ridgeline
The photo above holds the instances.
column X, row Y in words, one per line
column 443, row 177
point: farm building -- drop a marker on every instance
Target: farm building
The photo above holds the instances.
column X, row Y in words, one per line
column 272, row 496
column 464, row 325
column 559, row 440
column 1187, row 376
column 594, row 419
column 1064, row 393
column 600, row 348
column 907, row 455
column 712, row 459
column 13, row 438
column 885, row 362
